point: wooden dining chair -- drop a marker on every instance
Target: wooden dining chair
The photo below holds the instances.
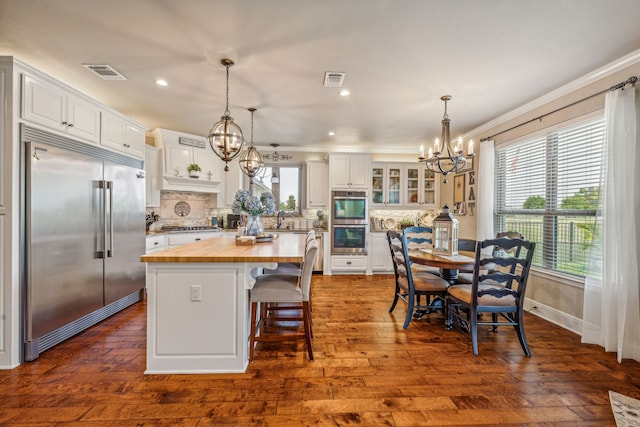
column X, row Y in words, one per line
column 281, row 289
column 420, row 237
column 467, row 245
column 411, row 285
column 499, row 291
column 467, row 276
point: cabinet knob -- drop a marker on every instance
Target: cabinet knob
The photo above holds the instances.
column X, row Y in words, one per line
column 156, row 243
column 64, row 123
column 348, row 262
column 197, row 239
column 70, row 125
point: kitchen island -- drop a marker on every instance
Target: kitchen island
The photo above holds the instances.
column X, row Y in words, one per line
column 198, row 305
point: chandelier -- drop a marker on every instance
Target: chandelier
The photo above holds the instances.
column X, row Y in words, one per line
column 275, row 156
column 251, row 161
column 225, row 137
column 446, row 159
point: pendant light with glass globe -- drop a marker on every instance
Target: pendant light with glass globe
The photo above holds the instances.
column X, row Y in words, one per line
column 225, row 136
column 250, row 161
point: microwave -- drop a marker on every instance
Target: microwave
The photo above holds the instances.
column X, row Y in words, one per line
column 349, row 207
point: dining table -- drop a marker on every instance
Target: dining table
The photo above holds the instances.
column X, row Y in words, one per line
column 449, row 265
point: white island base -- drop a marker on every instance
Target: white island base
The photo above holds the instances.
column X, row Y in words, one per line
column 198, row 312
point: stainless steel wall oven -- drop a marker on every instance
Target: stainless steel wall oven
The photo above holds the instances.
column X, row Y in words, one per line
column 349, row 207
column 349, row 222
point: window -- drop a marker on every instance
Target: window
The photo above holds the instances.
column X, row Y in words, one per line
column 547, row 188
column 285, row 188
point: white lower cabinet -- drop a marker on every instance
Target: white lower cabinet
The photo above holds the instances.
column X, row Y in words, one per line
column 348, row 263
column 178, row 239
column 379, row 253
column 155, row 243
column 158, row 242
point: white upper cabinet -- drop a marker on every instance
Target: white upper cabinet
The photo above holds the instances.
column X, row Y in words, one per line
column 233, row 181
column 51, row 105
column 179, row 157
column 317, row 184
column 421, row 189
column 179, row 150
column 153, row 179
column 386, row 184
column 349, row 171
column 404, row 185
column 120, row 134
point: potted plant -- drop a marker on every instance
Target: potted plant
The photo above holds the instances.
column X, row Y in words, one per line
column 194, row 170
column 405, row 223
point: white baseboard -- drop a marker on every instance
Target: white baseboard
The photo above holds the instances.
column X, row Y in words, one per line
column 554, row 316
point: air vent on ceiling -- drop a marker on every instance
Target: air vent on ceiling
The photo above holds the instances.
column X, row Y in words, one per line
column 105, row 72
column 333, row 79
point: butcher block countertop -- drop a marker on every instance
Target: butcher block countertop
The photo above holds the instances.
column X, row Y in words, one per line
column 286, row 247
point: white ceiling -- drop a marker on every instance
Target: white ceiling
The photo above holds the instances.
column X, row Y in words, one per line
column 400, row 56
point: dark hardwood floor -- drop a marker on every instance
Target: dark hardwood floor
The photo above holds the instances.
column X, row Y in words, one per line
column 367, row 371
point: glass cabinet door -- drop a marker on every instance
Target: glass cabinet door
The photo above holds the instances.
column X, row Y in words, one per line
column 403, row 184
column 412, row 190
column 377, row 185
column 429, row 187
column 393, row 185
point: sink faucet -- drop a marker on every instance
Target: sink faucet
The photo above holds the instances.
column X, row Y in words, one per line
column 280, row 219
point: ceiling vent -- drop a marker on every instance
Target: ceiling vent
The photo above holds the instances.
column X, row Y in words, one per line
column 105, row 72
column 333, row 79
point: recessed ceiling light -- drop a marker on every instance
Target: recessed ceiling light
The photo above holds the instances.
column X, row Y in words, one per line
column 344, row 92
column 331, row 133
column 161, row 82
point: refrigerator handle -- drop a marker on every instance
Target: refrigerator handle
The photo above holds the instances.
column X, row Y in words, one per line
column 110, row 249
column 102, row 185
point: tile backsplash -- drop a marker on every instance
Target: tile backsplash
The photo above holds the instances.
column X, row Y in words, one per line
column 393, row 218
column 183, row 209
column 189, row 209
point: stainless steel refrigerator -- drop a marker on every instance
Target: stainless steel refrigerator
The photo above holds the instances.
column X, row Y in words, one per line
column 84, row 233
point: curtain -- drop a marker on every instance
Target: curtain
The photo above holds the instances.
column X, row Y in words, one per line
column 485, row 195
column 611, row 313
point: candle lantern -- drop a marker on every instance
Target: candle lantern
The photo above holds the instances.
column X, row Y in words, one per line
column 445, row 233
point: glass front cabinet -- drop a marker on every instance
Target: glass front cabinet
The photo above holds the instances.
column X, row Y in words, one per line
column 421, row 189
column 386, row 188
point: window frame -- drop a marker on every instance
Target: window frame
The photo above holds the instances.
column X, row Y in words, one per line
column 275, row 187
column 547, row 251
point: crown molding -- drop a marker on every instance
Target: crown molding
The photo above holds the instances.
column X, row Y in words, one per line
column 592, row 77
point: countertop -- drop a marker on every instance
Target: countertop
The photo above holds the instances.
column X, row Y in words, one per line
column 287, row 247
column 230, row 230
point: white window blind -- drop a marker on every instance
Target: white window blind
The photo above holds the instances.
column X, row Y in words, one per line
column 547, row 188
